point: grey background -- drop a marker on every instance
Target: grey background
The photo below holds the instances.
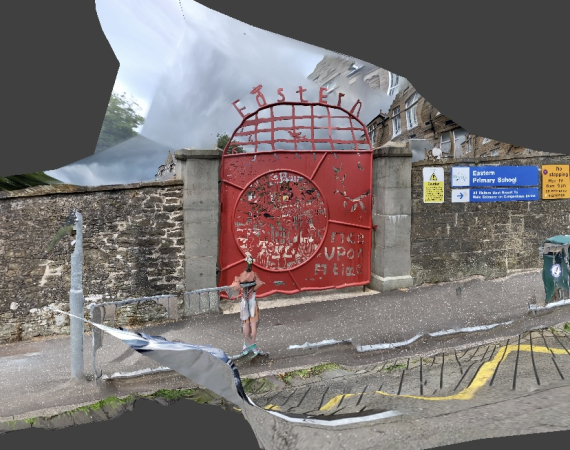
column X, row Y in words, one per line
column 498, row 71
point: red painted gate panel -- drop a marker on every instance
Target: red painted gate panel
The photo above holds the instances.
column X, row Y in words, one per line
column 297, row 194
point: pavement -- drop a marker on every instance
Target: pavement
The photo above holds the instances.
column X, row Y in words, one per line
column 481, row 352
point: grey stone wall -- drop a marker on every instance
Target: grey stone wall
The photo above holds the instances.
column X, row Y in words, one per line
column 391, row 213
column 451, row 241
column 200, row 172
column 133, row 247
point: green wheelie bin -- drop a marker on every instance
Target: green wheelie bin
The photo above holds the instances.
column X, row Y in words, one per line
column 556, row 267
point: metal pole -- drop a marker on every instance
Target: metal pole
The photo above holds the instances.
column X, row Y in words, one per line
column 76, row 303
column 93, row 344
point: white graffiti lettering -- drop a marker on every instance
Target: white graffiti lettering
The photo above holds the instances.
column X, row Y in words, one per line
column 319, row 267
column 340, row 252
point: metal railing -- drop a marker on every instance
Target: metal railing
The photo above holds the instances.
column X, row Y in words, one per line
column 201, row 301
column 99, row 311
column 196, row 302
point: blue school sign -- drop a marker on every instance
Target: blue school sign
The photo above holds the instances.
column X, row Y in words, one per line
column 491, row 176
column 494, row 195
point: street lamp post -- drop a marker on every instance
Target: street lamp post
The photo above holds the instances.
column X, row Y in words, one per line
column 77, row 301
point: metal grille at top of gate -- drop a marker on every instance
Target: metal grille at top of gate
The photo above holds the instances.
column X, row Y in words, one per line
column 296, row 194
column 310, row 126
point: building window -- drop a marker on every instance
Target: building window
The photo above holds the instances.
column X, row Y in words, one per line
column 411, row 107
column 372, row 134
column 469, row 144
column 445, row 142
column 394, row 84
column 331, row 86
column 353, row 68
column 396, row 122
column 486, row 141
column 459, row 137
column 495, row 152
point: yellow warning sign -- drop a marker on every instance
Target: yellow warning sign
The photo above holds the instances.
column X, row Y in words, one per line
column 433, row 192
column 555, row 181
column 433, row 185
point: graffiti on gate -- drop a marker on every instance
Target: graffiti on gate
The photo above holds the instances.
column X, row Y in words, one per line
column 281, row 217
column 296, row 195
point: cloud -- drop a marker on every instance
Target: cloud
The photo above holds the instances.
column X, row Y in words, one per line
column 144, row 35
column 132, row 161
column 190, row 70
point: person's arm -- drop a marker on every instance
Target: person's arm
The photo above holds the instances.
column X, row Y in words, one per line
column 258, row 283
column 235, row 286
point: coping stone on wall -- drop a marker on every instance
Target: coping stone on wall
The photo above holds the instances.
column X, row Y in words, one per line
column 51, row 189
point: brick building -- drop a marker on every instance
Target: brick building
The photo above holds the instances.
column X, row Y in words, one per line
column 432, row 134
column 338, row 72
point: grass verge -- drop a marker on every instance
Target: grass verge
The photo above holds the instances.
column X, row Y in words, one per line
column 307, row 373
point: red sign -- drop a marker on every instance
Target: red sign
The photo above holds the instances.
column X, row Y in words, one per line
column 260, row 98
column 296, row 194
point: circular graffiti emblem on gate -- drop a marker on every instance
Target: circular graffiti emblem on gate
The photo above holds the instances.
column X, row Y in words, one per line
column 281, row 219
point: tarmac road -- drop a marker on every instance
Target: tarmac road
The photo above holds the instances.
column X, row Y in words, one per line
column 516, row 386
column 513, row 387
column 34, row 376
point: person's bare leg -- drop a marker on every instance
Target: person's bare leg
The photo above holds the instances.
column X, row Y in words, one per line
column 253, row 332
column 246, row 333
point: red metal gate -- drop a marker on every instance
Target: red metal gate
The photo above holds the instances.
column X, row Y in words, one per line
column 297, row 194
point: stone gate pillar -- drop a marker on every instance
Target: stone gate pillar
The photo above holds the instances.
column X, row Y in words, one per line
column 392, row 214
column 200, row 169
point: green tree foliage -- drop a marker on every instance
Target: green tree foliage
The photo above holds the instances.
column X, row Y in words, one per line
column 223, row 140
column 15, row 182
column 121, row 120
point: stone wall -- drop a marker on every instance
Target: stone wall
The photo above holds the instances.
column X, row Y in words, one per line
column 451, row 241
column 161, row 238
column 133, row 247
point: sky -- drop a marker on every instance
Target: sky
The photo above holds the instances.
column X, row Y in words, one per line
column 185, row 64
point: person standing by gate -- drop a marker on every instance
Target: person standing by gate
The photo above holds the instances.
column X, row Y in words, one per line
column 248, row 283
